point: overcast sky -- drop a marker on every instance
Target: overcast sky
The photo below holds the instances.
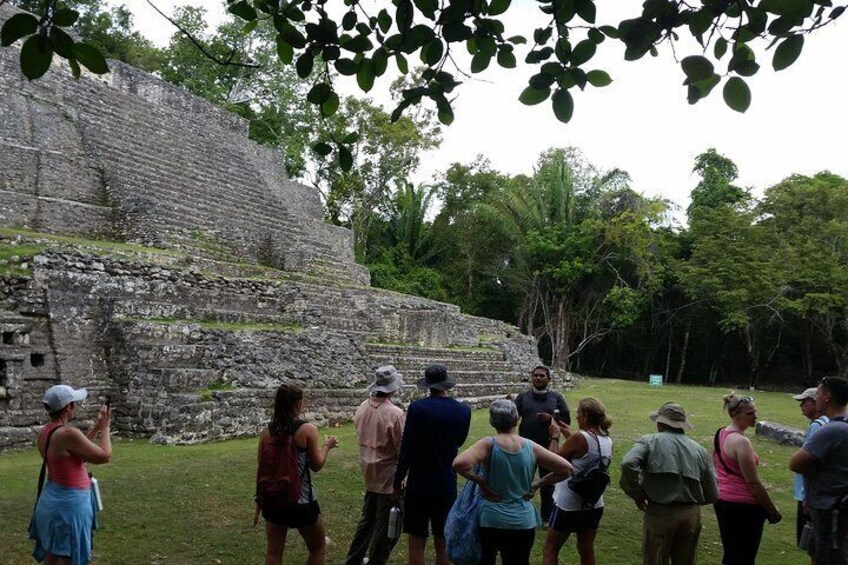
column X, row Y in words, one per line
column 797, row 122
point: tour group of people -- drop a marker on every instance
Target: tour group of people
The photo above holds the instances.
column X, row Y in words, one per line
column 411, row 461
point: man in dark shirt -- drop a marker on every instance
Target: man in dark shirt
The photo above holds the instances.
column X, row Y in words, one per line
column 537, row 407
column 823, row 460
column 436, row 427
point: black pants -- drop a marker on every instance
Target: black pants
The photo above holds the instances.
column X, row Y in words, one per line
column 513, row 545
column 741, row 529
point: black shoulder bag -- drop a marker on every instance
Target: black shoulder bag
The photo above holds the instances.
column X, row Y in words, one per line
column 41, row 476
column 591, row 483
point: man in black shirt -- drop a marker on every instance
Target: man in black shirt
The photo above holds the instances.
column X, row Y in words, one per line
column 537, row 407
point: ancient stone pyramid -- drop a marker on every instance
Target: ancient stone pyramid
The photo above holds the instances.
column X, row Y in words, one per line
column 152, row 253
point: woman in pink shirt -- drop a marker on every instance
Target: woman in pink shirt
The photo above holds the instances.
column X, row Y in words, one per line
column 743, row 503
column 64, row 514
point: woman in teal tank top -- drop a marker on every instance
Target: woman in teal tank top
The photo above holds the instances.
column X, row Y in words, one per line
column 508, row 517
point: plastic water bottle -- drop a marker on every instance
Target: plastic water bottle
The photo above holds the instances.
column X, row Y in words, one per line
column 395, row 515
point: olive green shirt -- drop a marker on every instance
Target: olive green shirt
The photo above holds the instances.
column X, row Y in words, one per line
column 669, row 468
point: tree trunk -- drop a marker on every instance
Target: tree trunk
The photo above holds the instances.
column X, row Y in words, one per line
column 751, row 344
column 679, row 378
column 808, row 354
column 668, row 354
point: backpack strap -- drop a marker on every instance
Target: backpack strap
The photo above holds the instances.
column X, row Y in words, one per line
column 306, row 474
column 717, row 448
column 601, row 463
column 42, row 475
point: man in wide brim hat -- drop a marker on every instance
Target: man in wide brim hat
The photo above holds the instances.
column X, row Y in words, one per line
column 436, row 378
column 672, row 415
column 670, row 477
column 387, row 380
column 379, row 428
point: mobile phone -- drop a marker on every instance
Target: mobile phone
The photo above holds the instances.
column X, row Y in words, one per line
column 108, row 401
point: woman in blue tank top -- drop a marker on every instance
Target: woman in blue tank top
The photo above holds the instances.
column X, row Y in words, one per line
column 508, row 518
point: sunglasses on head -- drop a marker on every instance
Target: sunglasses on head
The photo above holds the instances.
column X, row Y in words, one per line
column 742, row 400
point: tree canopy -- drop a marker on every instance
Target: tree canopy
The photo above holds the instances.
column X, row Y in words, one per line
column 721, row 42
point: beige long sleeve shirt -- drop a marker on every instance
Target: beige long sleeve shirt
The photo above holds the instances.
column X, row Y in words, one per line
column 669, row 468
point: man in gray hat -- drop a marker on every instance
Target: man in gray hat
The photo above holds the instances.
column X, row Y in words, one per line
column 807, row 403
column 379, row 427
column 436, row 427
column 669, row 476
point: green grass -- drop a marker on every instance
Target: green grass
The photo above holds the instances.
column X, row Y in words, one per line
column 22, row 253
column 102, row 244
column 192, row 504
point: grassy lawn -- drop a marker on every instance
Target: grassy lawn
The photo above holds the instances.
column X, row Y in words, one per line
column 192, row 504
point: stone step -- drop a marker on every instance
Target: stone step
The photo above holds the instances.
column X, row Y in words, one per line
column 413, row 354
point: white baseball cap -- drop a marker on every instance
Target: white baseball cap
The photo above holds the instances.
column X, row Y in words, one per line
column 809, row 394
column 59, row 396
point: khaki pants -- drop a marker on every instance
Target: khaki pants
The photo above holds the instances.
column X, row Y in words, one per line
column 671, row 534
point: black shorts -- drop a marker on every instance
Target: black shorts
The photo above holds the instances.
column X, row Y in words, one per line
column 802, row 520
column 300, row 516
column 420, row 515
column 575, row 521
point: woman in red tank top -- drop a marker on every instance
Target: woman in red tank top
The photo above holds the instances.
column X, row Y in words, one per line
column 743, row 503
column 64, row 515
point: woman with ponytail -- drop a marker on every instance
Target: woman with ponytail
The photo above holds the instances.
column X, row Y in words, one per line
column 305, row 516
column 585, row 450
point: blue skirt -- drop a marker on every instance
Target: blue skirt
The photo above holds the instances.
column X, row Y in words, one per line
column 63, row 522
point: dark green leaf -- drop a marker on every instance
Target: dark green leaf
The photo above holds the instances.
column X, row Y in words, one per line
column 836, row 12
column 63, row 44
column 36, row 55
column 563, row 105
column 747, row 68
column 586, row 10
column 345, row 158
column 498, row 7
column 609, row 31
column 403, row 15
column 787, row 52
column 319, row 93
column 380, row 60
column 506, row 59
column 446, row 116
column 249, row 27
column 480, row 62
column 517, row 40
column 542, row 35
column 284, row 51
column 349, row 20
column 331, row 106
column 596, row 36
column 541, row 81
column 16, row 27
column 65, row 17
column 582, row 52
column 737, row 95
column 291, row 35
column 322, row 148
column 304, row 65
column 720, row 48
column 75, row 68
column 357, row 44
column 432, row 53
column 531, row 96
column 330, row 52
column 243, row 10
column 598, row 78
column 352, row 137
column 427, row 7
column 346, row 67
column 384, row 20
column 701, row 21
column 91, row 58
column 401, row 63
column 365, row 75
column 697, row 67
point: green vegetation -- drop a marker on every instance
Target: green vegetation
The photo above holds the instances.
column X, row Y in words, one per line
column 209, row 324
column 193, row 504
column 13, row 256
column 100, row 244
column 206, row 393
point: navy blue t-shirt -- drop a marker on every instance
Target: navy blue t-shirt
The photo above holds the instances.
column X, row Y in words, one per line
column 436, row 427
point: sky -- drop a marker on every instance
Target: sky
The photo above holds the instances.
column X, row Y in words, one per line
column 642, row 123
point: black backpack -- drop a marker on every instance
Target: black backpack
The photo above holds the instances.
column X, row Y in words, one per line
column 590, row 483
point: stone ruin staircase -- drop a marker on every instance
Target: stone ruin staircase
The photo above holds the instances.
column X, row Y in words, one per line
column 482, row 373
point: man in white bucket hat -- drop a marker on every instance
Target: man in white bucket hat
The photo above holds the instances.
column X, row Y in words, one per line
column 379, row 428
